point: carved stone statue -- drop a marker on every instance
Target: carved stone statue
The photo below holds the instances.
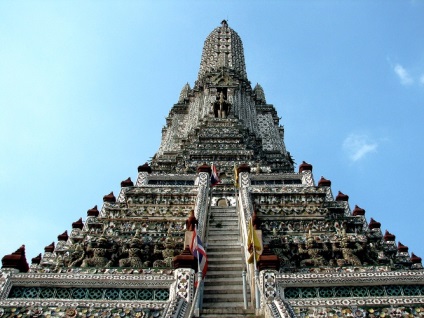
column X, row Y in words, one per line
column 168, row 253
column 313, row 251
column 348, row 251
column 191, row 222
column 221, row 107
column 77, row 255
column 134, row 251
column 99, row 249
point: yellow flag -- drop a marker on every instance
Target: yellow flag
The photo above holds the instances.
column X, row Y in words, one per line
column 254, row 244
column 236, row 180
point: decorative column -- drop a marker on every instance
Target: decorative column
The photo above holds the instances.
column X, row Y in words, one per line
column 200, row 209
column 143, row 173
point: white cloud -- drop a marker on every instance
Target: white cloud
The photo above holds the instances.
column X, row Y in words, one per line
column 422, row 79
column 403, row 75
column 357, row 146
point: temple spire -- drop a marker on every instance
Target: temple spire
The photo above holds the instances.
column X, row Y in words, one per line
column 223, row 48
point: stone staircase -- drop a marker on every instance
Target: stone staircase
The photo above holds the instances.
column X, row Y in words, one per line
column 223, row 289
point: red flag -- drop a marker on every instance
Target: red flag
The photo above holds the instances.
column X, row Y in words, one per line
column 214, row 176
column 197, row 250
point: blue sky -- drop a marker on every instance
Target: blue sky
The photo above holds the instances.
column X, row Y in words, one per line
column 85, row 87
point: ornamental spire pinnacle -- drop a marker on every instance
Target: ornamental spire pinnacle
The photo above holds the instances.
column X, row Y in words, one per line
column 223, row 48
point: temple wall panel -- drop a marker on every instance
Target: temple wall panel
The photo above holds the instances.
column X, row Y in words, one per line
column 271, row 138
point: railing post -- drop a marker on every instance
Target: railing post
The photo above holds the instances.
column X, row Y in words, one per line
column 199, row 294
column 243, row 274
column 257, row 292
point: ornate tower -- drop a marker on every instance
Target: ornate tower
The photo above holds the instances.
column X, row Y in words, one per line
column 300, row 250
column 222, row 119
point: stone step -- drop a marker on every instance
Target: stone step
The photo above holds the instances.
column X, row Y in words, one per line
column 223, row 215
column 227, row 281
column 224, row 305
column 230, row 312
column 227, row 273
column 226, row 315
column 233, row 265
column 223, row 219
column 224, row 228
column 223, row 224
column 223, row 244
column 220, row 233
column 224, row 235
column 224, row 257
column 228, row 260
column 235, row 260
column 228, row 246
column 219, row 248
column 213, row 290
column 223, row 212
column 223, row 285
column 229, row 315
column 224, row 238
column 225, row 267
column 227, row 299
column 223, row 231
column 223, row 252
column 214, row 245
column 234, row 248
column 213, row 298
column 222, row 289
column 215, row 208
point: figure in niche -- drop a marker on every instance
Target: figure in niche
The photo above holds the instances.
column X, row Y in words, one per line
column 135, row 253
column 314, row 252
column 167, row 254
column 281, row 247
column 99, row 249
column 348, row 252
column 221, row 108
column 77, row 255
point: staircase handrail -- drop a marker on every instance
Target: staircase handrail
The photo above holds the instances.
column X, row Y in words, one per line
column 243, row 232
column 244, row 235
column 195, row 303
column 207, row 217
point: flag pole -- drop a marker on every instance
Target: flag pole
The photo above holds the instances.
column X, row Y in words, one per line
column 236, row 185
column 199, row 278
column 198, row 262
column 253, row 241
column 255, row 268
